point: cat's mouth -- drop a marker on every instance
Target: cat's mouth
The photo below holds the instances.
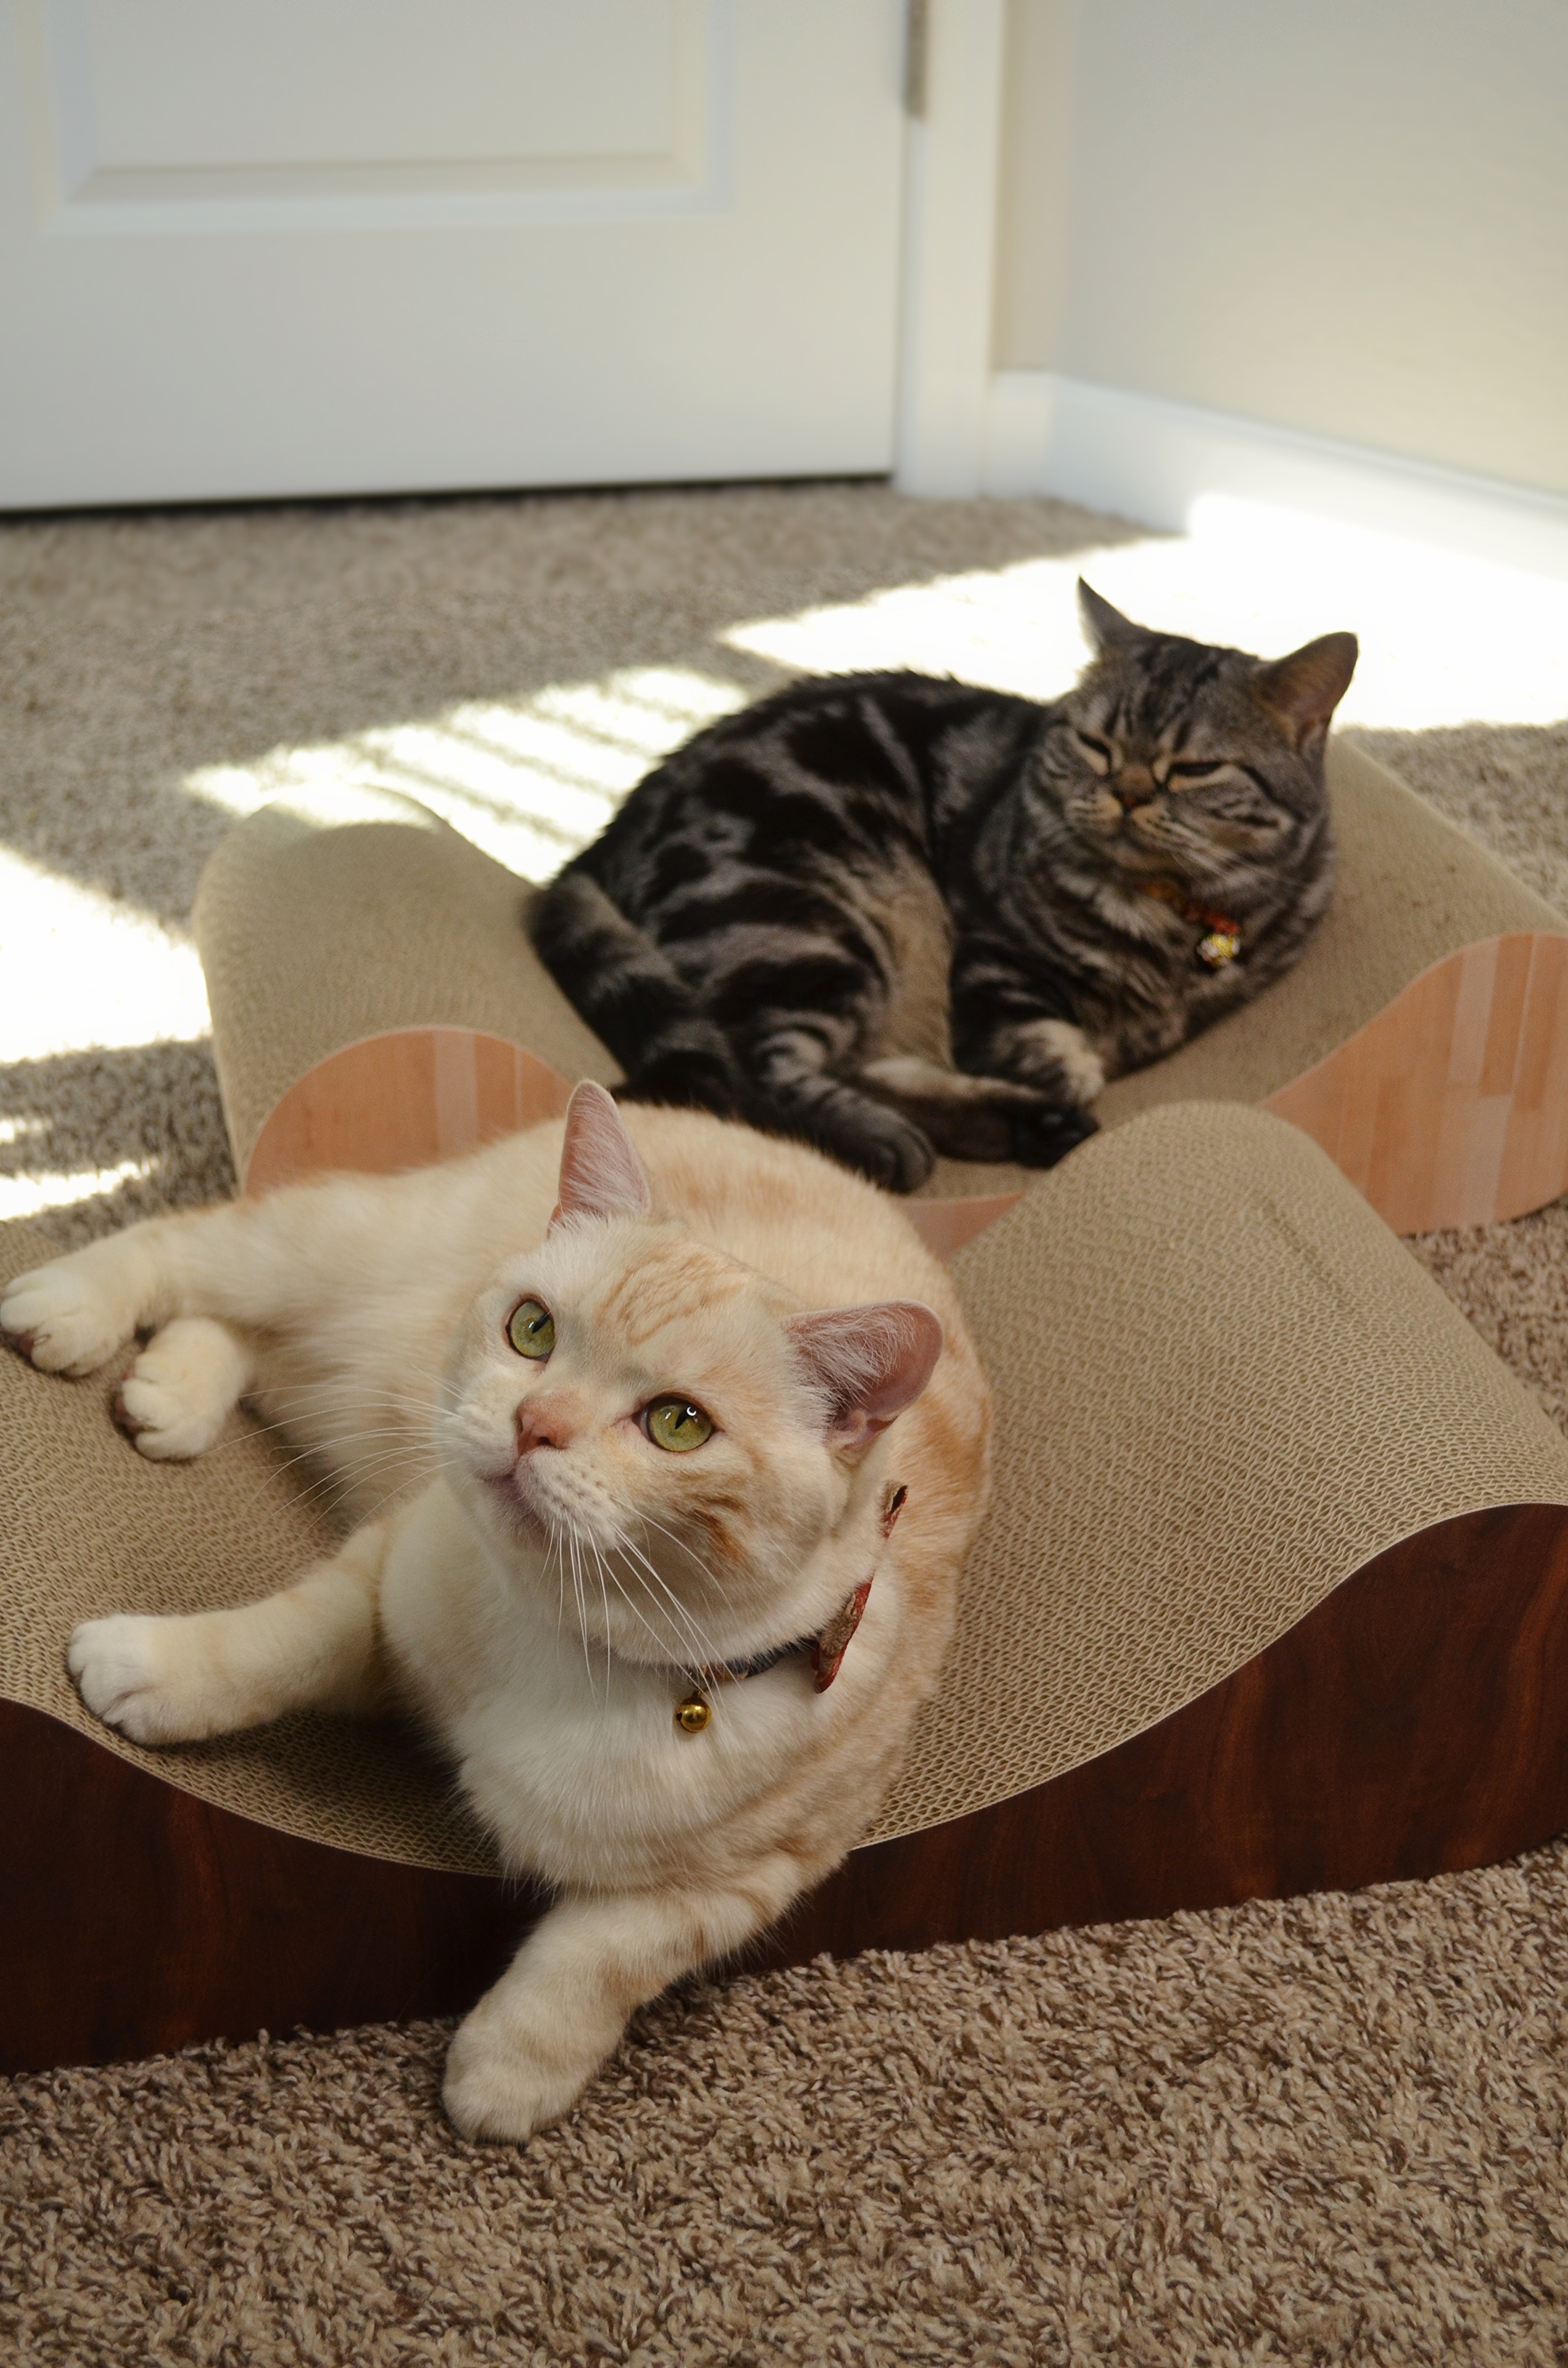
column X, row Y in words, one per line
column 1134, row 852
column 513, row 1492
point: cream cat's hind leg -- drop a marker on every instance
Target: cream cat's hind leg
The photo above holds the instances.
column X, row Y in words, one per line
column 315, row 1645
column 182, row 1388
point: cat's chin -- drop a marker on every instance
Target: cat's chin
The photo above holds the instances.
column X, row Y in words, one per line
column 520, row 1515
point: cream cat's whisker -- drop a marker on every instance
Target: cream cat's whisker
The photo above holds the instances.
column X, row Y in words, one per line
column 684, row 1617
column 689, row 1551
column 581, row 1601
column 254, row 1431
column 554, row 1549
column 403, row 1400
column 686, row 1668
column 349, row 1484
column 605, row 1579
column 592, row 1546
column 343, row 1483
column 690, row 1650
column 421, row 1463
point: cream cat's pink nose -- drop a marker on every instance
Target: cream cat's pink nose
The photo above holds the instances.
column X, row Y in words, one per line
column 552, row 1421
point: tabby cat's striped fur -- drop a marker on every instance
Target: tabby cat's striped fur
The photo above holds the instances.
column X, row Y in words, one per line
column 887, row 913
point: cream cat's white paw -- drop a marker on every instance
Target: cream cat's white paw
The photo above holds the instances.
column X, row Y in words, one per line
column 502, row 2084
column 178, row 1395
column 57, row 1315
column 130, row 1672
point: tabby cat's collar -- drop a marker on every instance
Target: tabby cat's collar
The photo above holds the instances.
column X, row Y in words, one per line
column 1221, row 939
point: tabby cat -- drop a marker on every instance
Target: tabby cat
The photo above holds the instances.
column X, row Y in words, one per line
column 649, row 1395
column 891, row 915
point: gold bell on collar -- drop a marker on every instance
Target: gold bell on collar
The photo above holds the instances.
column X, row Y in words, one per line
column 1220, row 947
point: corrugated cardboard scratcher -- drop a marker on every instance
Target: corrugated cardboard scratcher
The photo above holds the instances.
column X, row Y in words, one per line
column 1273, row 1591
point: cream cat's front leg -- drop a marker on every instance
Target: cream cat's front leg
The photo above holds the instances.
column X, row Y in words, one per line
column 70, row 1316
column 535, row 2041
column 315, row 1645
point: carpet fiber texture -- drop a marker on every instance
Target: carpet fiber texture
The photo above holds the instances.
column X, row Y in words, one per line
column 1322, row 2131
column 1331, row 2130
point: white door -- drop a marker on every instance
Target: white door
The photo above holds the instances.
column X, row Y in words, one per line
column 256, row 247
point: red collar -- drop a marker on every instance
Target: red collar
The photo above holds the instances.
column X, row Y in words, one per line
column 1221, row 940
column 827, row 1648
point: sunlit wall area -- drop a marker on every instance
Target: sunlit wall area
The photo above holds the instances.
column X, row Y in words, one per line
column 1346, row 220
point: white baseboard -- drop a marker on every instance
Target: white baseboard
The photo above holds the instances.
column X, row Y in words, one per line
column 1152, row 460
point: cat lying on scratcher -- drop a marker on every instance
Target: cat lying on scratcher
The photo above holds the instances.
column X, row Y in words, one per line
column 891, row 915
column 684, row 1443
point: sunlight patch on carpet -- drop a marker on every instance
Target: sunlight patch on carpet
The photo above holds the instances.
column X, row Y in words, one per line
column 29, row 1196
column 78, row 970
column 529, row 783
column 1445, row 639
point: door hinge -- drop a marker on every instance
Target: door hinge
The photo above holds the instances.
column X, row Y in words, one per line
column 916, row 38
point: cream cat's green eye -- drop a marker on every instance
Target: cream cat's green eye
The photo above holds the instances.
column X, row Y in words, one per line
column 676, row 1424
column 530, row 1328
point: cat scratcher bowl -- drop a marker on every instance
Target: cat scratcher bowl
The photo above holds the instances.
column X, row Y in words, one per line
column 1272, row 1595
column 1422, row 1040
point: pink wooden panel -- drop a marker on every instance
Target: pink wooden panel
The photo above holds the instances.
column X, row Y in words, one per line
column 416, row 1094
column 1451, row 1106
column 402, row 1100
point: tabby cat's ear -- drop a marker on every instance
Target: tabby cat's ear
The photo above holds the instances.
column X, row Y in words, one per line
column 601, row 1174
column 867, row 1362
column 1104, row 626
column 1302, row 691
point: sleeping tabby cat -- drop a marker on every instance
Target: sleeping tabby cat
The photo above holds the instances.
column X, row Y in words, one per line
column 647, row 1396
column 890, row 914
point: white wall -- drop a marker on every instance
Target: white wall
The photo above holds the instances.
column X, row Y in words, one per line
column 1344, row 217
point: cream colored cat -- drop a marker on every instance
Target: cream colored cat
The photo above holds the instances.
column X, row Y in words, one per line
column 644, row 1392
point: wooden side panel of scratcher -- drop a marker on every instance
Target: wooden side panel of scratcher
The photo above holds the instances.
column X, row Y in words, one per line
column 1450, row 1108
column 1414, row 1722
column 403, row 1099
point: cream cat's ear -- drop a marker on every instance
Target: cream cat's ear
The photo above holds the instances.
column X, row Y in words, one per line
column 602, row 1174
column 868, row 1362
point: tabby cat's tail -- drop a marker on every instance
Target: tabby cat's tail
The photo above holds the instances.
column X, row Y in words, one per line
column 634, row 999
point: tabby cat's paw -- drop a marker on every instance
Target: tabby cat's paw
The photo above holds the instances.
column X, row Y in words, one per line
column 1042, row 1136
column 501, row 2085
column 127, row 1672
column 894, row 1153
column 56, row 1316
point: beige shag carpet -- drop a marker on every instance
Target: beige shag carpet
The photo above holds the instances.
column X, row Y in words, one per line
column 1326, row 2131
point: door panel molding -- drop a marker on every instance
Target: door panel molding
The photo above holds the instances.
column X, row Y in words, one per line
column 724, row 308
column 115, row 159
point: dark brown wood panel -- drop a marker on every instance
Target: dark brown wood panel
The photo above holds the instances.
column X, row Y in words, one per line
column 134, row 1918
column 1416, row 1721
